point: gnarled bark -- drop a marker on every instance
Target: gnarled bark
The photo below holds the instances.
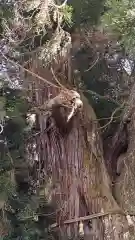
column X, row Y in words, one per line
column 72, row 165
column 124, row 184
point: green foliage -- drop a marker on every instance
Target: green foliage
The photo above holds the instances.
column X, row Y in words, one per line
column 6, row 14
column 86, row 11
column 15, row 107
column 67, row 12
column 21, row 207
column 7, row 187
column 12, row 145
column 120, row 20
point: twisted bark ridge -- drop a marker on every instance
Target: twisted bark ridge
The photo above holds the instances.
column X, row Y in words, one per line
column 124, row 183
column 68, row 166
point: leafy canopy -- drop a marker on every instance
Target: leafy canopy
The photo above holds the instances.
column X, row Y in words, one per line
column 120, row 19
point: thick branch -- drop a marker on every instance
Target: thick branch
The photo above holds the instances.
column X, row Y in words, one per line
column 90, row 217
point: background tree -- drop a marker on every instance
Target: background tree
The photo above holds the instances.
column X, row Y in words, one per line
column 119, row 19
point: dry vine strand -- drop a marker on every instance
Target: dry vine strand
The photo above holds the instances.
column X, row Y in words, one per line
column 112, row 117
column 30, row 72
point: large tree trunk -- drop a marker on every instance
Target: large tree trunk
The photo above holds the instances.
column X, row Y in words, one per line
column 69, row 157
